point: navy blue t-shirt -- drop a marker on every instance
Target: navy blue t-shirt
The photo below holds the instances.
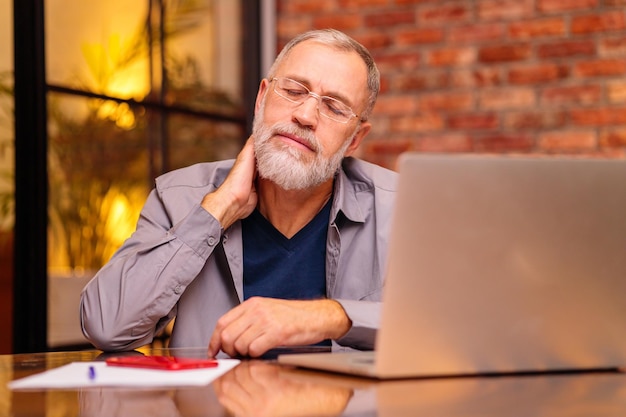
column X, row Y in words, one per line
column 278, row 267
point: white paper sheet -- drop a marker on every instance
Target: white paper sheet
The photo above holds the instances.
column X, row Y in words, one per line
column 76, row 375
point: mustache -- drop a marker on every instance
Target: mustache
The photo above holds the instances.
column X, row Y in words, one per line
column 306, row 135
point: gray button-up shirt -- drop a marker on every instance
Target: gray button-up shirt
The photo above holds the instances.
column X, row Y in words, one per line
column 180, row 263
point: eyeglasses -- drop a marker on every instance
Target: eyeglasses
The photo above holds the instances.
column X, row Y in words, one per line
column 297, row 93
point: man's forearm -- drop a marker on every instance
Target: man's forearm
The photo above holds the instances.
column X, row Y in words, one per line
column 140, row 286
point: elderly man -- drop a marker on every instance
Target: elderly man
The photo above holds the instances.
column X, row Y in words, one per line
column 284, row 246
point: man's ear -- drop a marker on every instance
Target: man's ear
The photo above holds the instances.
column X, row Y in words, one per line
column 263, row 89
column 364, row 129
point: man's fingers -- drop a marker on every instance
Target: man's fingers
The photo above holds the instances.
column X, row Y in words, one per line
column 242, row 331
column 260, row 324
column 233, row 332
column 215, row 344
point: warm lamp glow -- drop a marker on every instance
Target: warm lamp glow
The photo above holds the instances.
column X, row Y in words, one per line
column 121, row 217
column 120, row 211
column 117, row 69
column 120, row 113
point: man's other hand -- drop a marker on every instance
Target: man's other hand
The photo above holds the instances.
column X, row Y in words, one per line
column 260, row 324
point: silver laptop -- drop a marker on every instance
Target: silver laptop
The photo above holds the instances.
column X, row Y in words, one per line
column 499, row 264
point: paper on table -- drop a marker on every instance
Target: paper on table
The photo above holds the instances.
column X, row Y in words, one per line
column 76, row 375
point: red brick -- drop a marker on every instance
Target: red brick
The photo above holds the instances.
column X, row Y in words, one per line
column 507, row 98
column 395, row 105
column 419, row 36
column 536, row 74
column 474, row 121
column 385, row 84
column 536, row 120
column 384, row 152
column 393, row 62
column 601, row 67
column 452, row 57
column 444, row 13
column 537, row 28
column 504, row 9
column 572, row 95
column 288, row 28
column 359, row 4
column 305, row 6
column 373, row 40
column 598, row 117
column 610, row 47
column 565, row 5
column 448, row 142
column 504, row 53
column 340, row 22
column 477, row 33
column 504, row 143
column 614, row 3
column 406, row 2
column 611, row 138
column 380, row 126
column 388, row 146
column 424, row 122
column 389, row 19
column 449, row 101
column 598, row 23
column 479, row 77
column 421, row 80
column 567, row 140
column 616, row 91
column 566, row 49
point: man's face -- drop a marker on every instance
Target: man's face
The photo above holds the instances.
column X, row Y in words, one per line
column 295, row 146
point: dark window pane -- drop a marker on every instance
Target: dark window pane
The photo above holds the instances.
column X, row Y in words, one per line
column 193, row 140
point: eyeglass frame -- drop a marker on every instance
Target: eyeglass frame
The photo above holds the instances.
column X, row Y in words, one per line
column 317, row 97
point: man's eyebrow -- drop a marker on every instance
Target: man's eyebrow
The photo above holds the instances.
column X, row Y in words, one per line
column 335, row 95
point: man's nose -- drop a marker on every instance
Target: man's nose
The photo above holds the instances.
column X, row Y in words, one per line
column 306, row 113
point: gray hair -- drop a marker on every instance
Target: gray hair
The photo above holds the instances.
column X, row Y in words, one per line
column 342, row 42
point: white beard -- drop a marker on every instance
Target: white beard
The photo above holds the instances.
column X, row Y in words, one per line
column 288, row 167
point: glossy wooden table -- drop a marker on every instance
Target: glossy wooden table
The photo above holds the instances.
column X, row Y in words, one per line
column 262, row 388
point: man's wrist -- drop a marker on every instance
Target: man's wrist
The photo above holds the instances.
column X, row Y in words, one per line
column 218, row 208
column 341, row 323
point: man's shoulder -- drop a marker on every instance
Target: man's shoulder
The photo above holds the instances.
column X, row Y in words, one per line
column 360, row 171
column 196, row 176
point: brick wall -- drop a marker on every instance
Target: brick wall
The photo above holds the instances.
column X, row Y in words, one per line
column 496, row 76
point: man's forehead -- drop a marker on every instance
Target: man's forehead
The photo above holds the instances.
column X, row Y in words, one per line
column 314, row 62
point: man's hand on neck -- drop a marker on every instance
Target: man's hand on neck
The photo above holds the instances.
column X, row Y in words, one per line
column 236, row 198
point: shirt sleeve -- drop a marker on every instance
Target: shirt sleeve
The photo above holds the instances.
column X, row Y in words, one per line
column 365, row 317
column 135, row 294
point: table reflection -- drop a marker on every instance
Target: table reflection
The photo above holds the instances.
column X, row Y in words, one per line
column 253, row 388
column 259, row 388
column 131, row 402
column 262, row 389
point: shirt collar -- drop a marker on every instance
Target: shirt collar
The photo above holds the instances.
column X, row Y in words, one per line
column 345, row 198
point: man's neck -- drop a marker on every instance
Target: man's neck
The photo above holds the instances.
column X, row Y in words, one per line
column 291, row 210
